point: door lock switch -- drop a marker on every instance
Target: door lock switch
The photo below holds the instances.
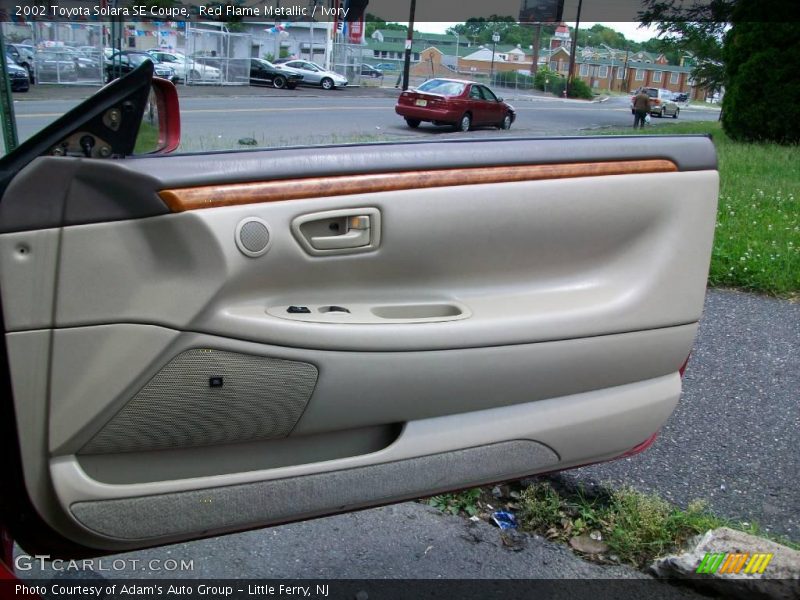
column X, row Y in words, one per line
column 298, row 310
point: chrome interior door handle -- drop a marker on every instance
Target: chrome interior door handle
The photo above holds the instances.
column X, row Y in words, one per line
column 356, row 235
column 342, row 231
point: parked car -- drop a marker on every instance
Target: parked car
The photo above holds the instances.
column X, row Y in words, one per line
column 661, row 102
column 370, row 71
column 313, row 74
column 123, row 62
column 263, row 72
column 456, row 102
column 24, row 55
column 187, row 69
column 55, row 66
column 680, row 97
column 17, row 76
column 85, row 66
column 90, row 51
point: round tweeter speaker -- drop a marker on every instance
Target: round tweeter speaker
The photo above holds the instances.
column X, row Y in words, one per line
column 252, row 237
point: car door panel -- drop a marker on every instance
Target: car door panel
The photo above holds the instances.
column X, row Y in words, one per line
column 419, row 463
column 526, row 307
column 85, row 409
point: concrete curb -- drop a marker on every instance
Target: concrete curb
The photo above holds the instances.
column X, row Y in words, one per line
column 721, row 561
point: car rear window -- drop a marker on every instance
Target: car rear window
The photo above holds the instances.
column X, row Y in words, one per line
column 439, row 86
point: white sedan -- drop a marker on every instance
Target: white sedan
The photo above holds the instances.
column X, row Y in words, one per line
column 187, row 69
column 313, row 74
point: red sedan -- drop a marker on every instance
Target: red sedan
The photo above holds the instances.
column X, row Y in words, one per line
column 455, row 102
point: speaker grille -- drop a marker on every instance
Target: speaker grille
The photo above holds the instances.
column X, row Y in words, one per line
column 259, row 398
column 252, row 237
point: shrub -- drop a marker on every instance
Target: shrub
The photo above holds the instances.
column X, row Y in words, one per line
column 550, row 81
column 580, row 89
column 761, row 90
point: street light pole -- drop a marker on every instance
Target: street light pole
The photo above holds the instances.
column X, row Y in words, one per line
column 495, row 39
column 457, row 40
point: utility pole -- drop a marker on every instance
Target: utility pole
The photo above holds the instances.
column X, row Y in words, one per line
column 409, row 42
column 625, row 70
column 311, row 32
column 571, row 73
column 536, row 43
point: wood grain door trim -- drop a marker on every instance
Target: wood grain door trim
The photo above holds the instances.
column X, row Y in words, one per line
column 212, row 196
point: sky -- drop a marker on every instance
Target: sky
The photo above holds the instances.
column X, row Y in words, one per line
column 629, row 29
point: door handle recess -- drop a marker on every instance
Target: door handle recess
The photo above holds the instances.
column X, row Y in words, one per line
column 357, row 235
column 345, row 231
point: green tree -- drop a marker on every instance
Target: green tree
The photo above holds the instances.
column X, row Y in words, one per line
column 373, row 23
column 480, row 30
column 699, row 29
column 760, row 89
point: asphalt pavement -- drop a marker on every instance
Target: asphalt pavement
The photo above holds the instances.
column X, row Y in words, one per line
column 405, row 541
column 734, row 440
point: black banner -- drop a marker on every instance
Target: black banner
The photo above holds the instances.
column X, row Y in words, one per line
column 482, row 589
column 528, row 11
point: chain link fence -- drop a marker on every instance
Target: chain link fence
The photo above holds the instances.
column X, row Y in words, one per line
column 66, row 53
column 216, row 57
column 502, row 82
column 346, row 59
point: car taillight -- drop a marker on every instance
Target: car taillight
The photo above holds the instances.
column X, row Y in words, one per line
column 640, row 447
column 682, row 370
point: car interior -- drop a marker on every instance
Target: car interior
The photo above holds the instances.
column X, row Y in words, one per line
column 211, row 342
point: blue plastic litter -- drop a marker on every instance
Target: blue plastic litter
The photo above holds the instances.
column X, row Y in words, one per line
column 504, row 520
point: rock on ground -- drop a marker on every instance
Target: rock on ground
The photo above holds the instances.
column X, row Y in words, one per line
column 780, row 580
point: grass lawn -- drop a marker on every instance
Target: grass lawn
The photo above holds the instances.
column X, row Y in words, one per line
column 757, row 243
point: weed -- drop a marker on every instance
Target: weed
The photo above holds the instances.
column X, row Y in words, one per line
column 636, row 527
column 462, row 502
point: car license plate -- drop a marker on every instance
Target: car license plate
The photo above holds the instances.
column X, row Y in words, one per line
column 421, row 103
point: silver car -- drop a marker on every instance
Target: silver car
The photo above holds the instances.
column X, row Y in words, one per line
column 661, row 102
column 313, row 74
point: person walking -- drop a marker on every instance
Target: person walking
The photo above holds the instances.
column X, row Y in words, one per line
column 641, row 108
